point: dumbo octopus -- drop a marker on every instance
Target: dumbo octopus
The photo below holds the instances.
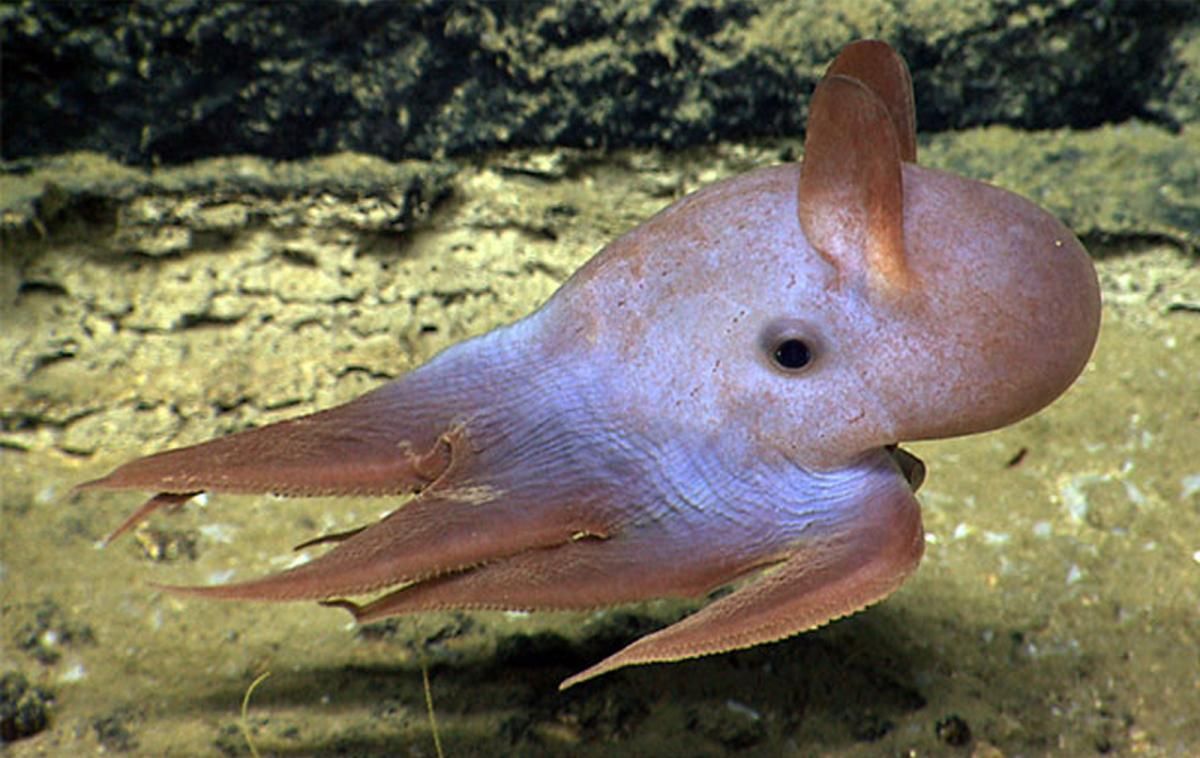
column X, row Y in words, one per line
column 716, row 396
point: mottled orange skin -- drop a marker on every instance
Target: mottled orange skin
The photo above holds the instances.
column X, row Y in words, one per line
column 645, row 433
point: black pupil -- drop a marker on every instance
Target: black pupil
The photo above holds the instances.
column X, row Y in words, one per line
column 792, row 354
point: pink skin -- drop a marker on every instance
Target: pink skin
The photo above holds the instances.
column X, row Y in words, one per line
column 646, row 433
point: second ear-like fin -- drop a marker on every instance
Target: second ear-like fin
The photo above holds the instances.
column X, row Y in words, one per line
column 884, row 72
column 851, row 193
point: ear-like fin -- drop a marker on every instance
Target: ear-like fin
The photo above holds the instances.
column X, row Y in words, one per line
column 820, row 582
column 851, row 195
column 884, row 72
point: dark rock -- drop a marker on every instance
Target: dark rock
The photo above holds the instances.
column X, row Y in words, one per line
column 48, row 630
column 734, row 725
column 114, row 733
column 953, row 730
column 24, row 710
column 177, row 80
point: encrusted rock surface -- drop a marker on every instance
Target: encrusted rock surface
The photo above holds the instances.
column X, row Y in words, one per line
column 180, row 80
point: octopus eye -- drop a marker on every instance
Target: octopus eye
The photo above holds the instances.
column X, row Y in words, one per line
column 790, row 346
column 792, row 354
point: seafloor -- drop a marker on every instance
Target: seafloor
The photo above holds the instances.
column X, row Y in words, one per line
column 1057, row 610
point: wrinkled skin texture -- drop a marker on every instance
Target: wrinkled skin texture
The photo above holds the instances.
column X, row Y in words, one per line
column 716, row 395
